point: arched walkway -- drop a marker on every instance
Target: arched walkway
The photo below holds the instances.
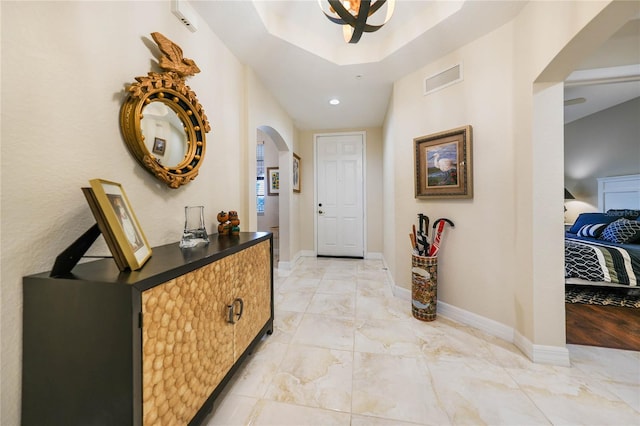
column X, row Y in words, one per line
column 284, row 154
column 548, row 153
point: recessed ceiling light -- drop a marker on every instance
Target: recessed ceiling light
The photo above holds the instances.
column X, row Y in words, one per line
column 334, row 101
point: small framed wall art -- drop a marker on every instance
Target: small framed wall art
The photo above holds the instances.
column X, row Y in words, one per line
column 273, row 181
column 443, row 164
column 118, row 223
column 159, row 145
column 296, row 173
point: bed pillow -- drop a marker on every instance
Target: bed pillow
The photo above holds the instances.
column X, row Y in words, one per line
column 622, row 231
column 592, row 230
column 591, row 219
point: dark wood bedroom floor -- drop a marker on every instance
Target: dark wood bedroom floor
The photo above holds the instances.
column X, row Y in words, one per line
column 606, row 326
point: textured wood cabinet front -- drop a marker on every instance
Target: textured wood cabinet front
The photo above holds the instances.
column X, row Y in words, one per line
column 187, row 344
column 254, row 288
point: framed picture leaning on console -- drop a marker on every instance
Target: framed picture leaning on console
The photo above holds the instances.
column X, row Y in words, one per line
column 118, row 224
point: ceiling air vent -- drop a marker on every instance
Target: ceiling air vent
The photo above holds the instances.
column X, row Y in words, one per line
column 187, row 15
column 443, row 79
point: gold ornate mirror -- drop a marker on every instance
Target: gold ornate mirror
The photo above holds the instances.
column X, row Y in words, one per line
column 162, row 121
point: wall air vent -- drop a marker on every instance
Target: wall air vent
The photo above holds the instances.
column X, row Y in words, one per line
column 443, row 79
column 187, row 15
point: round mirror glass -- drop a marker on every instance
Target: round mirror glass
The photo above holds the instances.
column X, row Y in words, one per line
column 164, row 135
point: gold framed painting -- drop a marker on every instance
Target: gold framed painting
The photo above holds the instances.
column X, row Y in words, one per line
column 443, row 164
column 122, row 230
column 296, row 173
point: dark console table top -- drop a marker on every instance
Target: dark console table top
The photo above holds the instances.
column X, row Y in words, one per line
column 166, row 262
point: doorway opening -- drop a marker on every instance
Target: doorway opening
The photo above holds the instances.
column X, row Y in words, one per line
column 272, row 192
column 267, row 200
column 580, row 52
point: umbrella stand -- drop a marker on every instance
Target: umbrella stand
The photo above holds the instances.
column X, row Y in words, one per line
column 424, row 287
column 424, row 269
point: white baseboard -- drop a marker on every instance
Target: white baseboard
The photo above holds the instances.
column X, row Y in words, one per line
column 284, row 266
column 542, row 354
column 290, row 264
column 487, row 325
column 555, row 355
column 401, row 292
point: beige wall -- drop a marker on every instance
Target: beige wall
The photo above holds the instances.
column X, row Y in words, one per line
column 373, row 185
column 65, row 66
column 476, row 258
column 307, row 208
column 503, row 259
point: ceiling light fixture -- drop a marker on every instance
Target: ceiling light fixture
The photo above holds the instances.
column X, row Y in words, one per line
column 334, row 101
column 353, row 15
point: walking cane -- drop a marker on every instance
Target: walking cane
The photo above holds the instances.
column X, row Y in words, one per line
column 423, row 222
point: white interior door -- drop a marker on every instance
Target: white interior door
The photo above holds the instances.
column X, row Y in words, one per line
column 340, row 195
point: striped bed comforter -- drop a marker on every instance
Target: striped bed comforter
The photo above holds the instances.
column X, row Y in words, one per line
column 597, row 260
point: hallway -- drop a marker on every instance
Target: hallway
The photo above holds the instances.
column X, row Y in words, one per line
column 346, row 352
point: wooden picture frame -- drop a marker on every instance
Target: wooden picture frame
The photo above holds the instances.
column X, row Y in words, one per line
column 118, row 223
column 297, row 173
column 443, row 164
column 273, row 181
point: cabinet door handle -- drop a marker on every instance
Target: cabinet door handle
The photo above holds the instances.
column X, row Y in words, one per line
column 231, row 314
column 230, row 318
column 241, row 303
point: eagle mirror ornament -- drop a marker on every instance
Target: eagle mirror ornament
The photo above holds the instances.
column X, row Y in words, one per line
column 162, row 122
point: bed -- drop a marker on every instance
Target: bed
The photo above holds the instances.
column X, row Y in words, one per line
column 603, row 249
column 593, row 261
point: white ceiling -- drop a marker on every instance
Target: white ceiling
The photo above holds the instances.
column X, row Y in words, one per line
column 610, row 76
column 302, row 58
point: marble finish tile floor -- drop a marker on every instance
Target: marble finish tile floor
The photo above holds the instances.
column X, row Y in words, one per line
column 345, row 351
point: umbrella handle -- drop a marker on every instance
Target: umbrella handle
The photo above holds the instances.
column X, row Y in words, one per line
column 444, row 219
